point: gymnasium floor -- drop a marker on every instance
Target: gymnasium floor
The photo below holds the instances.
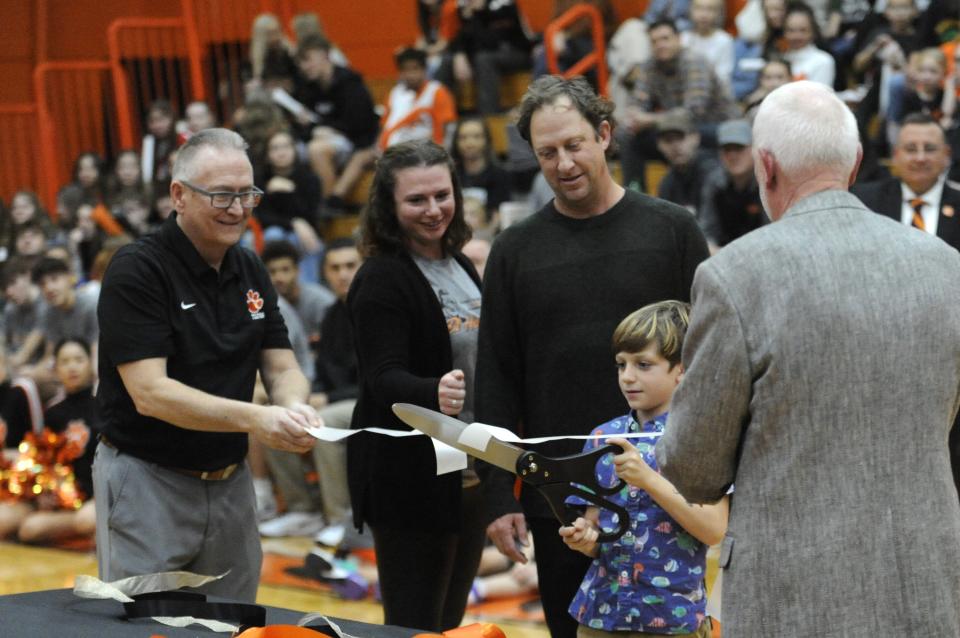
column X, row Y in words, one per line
column 25, row 569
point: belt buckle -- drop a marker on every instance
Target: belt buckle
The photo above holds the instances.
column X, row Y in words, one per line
column 219, row 475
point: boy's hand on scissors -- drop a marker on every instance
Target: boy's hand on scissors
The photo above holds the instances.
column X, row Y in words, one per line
column 629, row 465
column 581, row 536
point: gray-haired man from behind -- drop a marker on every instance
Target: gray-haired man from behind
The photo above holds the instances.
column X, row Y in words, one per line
column 822, row 377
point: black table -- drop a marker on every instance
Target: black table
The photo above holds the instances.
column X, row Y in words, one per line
column 57, row 613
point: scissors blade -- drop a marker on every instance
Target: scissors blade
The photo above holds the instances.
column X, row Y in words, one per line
column 447, row 429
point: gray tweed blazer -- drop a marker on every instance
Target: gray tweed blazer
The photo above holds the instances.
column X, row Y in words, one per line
column 822, row 378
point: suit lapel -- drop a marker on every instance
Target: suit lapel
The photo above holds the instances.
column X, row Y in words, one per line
column 891, row 202
column 948, row 225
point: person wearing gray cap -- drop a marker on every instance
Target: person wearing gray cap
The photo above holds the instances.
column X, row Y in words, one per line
column 730, row 202
column 678, row 140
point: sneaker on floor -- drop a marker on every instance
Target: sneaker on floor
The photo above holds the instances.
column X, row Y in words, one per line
column 331, row 536
column 292, row 524
column 266, row 502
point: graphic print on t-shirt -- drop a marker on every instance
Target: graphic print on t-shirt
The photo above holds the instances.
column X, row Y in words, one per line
column 460, row 313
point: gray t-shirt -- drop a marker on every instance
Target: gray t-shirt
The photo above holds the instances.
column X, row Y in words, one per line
column 312, row 307
column 79, row 321
column 298, row 338
column 460, row 299
column 20, row 321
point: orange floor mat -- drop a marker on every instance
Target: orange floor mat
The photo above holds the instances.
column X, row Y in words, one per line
column 518, row 608
column 274, row 572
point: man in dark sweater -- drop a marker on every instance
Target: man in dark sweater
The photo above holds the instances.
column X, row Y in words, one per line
column 339, row 118
column 556, row 286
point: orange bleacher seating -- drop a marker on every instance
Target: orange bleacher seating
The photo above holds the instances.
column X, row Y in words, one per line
column 380, row 88
column 339, row 227
column 655, row 171
column 498, row 133
column 512, row 88
column 361, row 190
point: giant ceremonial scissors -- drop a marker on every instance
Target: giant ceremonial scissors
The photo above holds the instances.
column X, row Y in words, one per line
column 556, row 478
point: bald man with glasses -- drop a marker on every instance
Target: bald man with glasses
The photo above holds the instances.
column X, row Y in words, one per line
column 189, row 318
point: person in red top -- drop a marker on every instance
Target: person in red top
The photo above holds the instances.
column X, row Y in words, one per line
column 416, row 108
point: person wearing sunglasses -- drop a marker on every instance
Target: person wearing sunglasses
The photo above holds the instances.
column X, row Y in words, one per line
column 190, row 318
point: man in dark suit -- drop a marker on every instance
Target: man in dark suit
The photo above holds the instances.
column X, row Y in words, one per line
column 921, row 196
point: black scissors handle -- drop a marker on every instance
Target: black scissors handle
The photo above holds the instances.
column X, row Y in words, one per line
column 559, row 478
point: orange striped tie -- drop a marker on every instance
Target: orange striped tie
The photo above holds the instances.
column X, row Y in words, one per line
column 917, row 220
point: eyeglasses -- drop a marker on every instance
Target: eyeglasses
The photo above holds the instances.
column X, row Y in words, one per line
column 224, row 199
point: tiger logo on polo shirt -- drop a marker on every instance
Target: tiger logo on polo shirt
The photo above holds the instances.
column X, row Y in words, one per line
column 255, row 304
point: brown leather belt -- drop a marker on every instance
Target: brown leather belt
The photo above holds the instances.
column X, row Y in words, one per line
column 204, row 475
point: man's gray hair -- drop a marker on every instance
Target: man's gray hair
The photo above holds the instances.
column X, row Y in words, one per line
column 806, row 127
column 219, row 139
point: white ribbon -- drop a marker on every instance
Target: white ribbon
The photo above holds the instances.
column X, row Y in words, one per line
column 316, row 615
column 475, row 435
column 124, row 589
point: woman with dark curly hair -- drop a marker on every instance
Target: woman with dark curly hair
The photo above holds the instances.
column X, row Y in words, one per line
column 415, row 308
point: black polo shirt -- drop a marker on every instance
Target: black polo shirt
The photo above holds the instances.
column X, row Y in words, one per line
column 159, row 298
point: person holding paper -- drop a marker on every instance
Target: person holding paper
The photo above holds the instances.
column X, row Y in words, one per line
column 193, row 319
column 415, row 309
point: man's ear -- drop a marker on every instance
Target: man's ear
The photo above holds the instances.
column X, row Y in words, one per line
column 604, row 133
column 177, row 194
column 856, row 167
column 770, row 168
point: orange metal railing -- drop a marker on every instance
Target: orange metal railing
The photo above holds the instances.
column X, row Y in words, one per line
column 100, row 105
column 75, row 113
column 596, row 59
column 149, row 59
column 19, row 149
column 219, row 35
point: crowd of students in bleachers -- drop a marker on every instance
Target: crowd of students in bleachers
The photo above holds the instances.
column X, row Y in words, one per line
column 685, row 91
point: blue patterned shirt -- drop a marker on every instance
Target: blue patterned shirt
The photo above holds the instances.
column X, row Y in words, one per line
column 652, row 578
